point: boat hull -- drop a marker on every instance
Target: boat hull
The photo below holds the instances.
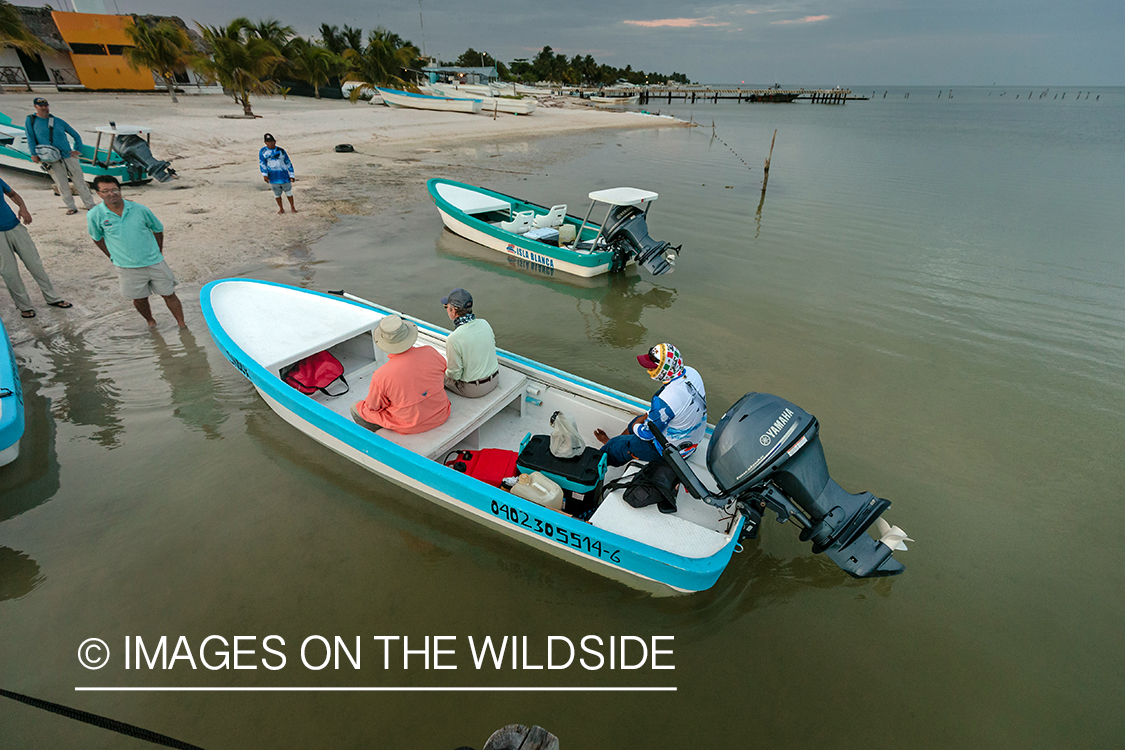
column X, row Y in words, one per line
column 610, row 554
column 11, row 402
column 585, row 265
column 407, row 100
column 16, row 156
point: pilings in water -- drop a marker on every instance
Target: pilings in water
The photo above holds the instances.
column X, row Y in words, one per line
column 740, row 95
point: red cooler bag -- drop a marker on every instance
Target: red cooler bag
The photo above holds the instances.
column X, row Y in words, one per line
column 316, row 373
column 489, row 465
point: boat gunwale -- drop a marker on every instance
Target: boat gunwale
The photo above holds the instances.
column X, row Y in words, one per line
column 677, row 572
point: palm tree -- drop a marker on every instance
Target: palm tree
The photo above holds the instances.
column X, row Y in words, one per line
column 380, row 62
column 13, row 32
column 240, row 60
column 312, row 63
column 164, row 48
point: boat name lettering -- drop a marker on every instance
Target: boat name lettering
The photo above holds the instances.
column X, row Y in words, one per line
column 564, row 537
column 775, row 428
column 542, row 260
column 239, row 366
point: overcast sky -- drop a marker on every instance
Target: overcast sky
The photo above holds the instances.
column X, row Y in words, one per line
column 793, row 42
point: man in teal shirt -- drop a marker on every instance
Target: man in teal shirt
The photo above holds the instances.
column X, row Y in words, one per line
column 44, row 129
column 132, row 238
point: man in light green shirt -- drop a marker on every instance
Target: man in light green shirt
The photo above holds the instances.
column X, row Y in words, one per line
column 132, row 238
column 470, row 351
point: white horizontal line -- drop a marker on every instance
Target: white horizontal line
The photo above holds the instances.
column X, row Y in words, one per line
column 373, row 689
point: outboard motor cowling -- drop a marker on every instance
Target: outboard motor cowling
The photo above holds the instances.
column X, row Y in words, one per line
column 627, row 231
column 765, row 451
column 138, row 156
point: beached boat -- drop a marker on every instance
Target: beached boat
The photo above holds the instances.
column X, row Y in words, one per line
column 11, row 402
column 552, row 238
column 396, row 98
column 615, row 100
column 118, row 151
column 498, row 103
column 264, row 328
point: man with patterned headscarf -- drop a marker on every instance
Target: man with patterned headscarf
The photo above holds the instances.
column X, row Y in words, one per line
column 678, row 410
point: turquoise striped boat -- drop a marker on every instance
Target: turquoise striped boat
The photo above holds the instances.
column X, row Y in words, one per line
column 551, row 238
column 262, row 328
column 14, row 153
column 11, row 402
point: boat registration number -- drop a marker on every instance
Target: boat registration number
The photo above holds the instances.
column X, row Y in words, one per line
column 565, row 537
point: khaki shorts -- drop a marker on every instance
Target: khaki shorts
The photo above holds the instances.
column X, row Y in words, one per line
column 141, row 283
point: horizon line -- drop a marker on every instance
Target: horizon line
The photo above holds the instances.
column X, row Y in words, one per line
column 371, row 689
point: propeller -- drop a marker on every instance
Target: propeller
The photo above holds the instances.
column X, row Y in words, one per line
column 892, row 536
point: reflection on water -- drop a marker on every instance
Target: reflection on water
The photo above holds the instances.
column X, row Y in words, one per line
column 615, row 319
column 91, row 398
column 33, row 478
column 188, row 373
column 19, row 574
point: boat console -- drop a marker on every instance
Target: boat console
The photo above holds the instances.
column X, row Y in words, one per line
column 765, row 453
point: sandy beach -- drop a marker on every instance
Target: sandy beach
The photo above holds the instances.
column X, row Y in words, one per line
column 218, row 214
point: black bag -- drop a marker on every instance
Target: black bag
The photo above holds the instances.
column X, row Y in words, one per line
column 655, row 484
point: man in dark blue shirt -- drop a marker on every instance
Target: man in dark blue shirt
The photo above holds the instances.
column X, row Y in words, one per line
column 16, row 241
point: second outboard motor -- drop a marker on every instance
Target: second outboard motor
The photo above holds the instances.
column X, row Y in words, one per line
column 765, row 453
column 137, row 155
column 627, row 230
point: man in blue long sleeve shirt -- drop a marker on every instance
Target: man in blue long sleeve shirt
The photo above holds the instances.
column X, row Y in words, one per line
column 45, row 130
column 277, row 170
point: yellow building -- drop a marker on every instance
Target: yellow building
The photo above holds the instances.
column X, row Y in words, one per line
column 96, row 42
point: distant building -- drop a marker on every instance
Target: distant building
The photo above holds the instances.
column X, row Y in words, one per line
column 84, row 52
column 461, row 75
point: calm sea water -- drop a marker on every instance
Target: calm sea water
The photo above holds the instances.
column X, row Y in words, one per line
column 938, row 279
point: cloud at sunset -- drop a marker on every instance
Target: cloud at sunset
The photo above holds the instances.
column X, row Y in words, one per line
column 806, row 19
column 681, row 23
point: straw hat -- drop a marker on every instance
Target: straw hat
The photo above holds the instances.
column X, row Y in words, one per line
column 395, row 335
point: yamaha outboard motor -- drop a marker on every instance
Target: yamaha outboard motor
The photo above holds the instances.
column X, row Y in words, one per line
column 765, row 453
column 138, row 158
column 627, row 233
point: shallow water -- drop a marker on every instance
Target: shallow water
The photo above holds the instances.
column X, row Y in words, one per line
column 938, row 280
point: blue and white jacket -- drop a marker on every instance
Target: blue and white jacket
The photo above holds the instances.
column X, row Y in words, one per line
column 679, row 410
column 275, row 164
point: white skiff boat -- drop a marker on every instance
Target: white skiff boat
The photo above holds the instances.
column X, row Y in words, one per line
column 262, row 328
column 396, row 98
column 521, row 106
column 615, row 100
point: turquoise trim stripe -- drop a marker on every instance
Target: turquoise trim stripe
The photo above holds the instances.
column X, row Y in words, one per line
column 491, row 503
column 11, row 415
column 411, row 94
column 585, row 260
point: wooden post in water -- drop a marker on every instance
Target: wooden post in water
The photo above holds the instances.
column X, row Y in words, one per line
column 766, row 171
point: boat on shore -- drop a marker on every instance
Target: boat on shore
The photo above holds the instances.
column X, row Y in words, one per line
column 614, row 100
column 551, row 238
column 114, row 153
column 497, row 103
column 406, row 99
column 264, row 328
column 11, row 402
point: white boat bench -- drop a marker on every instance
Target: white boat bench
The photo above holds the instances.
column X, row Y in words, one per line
column 465, row 418
column 669, row 532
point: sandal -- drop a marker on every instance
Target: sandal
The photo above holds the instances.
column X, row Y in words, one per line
column 27, row 313
column 71, row 211
column 62, row 303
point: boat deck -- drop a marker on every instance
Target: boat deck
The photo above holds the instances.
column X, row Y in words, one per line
column 520, row 406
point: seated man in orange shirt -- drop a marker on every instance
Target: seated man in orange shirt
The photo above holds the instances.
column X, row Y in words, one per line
column 407, row 394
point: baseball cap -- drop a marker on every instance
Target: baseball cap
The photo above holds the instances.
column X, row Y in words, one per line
column 459, row 298
column 649, row 360
column 39, row 100
column 269, row 137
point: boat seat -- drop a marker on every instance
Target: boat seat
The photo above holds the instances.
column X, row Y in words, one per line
column 553, row 218
column 669, row 532
column 520, row 223
column 465, row 418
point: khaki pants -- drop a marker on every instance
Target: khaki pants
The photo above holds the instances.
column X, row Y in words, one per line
column 70, row 166
column 18, row 242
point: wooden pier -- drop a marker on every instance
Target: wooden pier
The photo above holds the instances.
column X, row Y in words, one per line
column 693, row 95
